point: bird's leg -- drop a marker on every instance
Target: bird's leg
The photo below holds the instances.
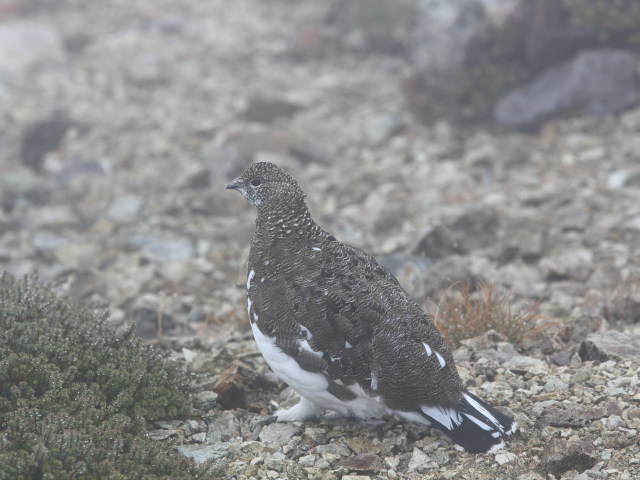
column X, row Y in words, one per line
column 303, row 410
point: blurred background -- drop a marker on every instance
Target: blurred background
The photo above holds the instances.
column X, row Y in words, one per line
column 488, row 141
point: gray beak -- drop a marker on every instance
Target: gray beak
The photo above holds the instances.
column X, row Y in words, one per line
column 234, row 185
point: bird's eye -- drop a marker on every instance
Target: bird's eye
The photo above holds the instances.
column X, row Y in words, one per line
column 255, row 182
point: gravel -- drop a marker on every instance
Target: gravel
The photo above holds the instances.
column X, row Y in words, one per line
column 125, row 208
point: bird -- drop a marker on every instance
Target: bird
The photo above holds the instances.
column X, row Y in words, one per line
column 339, row 329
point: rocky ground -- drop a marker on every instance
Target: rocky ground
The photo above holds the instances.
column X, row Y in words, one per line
column 122, row 122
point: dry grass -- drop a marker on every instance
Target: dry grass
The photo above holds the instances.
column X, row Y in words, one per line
column 463, row 314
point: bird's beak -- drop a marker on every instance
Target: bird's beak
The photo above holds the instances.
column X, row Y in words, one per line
column 235, row 184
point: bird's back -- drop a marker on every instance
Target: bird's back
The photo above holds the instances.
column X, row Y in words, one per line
column 360, row 323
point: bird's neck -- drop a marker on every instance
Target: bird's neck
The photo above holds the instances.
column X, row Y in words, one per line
column 287, row 222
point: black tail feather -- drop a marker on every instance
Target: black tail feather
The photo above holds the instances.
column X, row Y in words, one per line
column 472, row 424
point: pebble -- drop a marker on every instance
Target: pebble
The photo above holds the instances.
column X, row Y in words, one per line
column 504, row 458
column 126, row 208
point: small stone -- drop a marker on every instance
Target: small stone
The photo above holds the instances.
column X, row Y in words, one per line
column 562, row 455
column 161, row 434
column 554, row 384
column 419, row 461
column 336, row 449
column 279, row 432
column 275, row 461
column 307, row 461
column 521, row 364
column 362, row 446
column 613, row 421
column 317, row 435
column 569, row 415
column 362, row 463
column 573, row 264
column 204, row 453
column 392, row 462
column 223, row 426
column 610, row 345
column 199, row 437
column 505, row 457
column 206, row 400
column 530, row 476
column 462, row 229
column 124, row 208
column 561, row 359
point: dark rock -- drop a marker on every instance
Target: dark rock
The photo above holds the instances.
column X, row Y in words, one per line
column 561, row 455
column 239, row 386
column 361, row 463
column 233, row 385
column 624, row 306
column 460, row 231
column 569, row 415
column 595, row 82
column 41, row 137
column 610, row 345
column 437, row 242
column 266, row 110
column 561, row 359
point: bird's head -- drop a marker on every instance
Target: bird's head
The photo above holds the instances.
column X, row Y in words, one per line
column 267, row 186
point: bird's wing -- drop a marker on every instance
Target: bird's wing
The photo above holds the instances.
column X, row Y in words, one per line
column 341, row 314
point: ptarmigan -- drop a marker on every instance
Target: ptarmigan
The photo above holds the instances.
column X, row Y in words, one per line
column 340, row 330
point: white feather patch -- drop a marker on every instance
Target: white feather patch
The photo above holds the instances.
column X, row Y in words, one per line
column 249, row 302
column 304, row 345
column 497, row 446
column 249, row 278
column 428, row 349
column 305, row 332
column 313, row 386
column 479, row 422
column 483, row 411
column 374, row 381
column 441, row 360
column 448, row 417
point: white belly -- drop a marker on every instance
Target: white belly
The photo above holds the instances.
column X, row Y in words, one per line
column 313, row 386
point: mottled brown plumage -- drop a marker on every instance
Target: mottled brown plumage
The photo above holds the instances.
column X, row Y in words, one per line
column 361, row 345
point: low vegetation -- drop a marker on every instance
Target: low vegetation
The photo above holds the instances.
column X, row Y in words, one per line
column 76, row 393
column 463, row 314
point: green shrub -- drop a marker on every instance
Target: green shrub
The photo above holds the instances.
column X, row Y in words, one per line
column 76, row 393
